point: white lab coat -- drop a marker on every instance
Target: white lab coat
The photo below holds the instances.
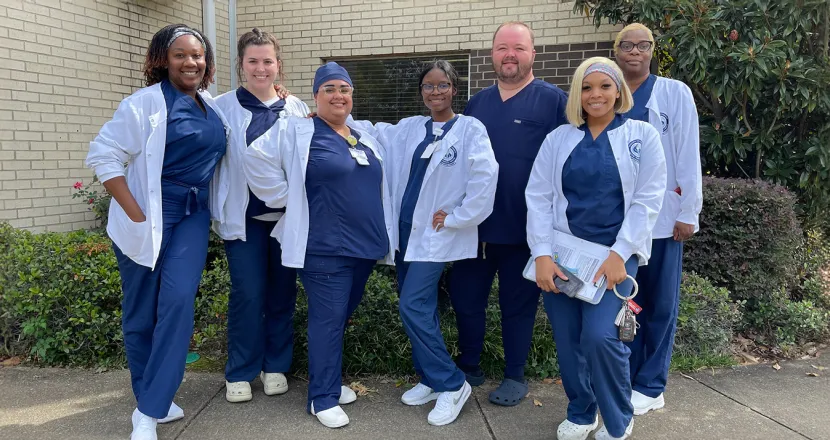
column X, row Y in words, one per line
column 643, row 180
column 460, row 180
column 233, row 225
column 672, row 111
column 276, row 171
column 136, row 136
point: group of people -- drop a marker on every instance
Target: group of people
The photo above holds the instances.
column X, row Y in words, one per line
column 615, row 162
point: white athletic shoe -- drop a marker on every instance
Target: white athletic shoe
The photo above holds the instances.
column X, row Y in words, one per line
column 569, row 430
column 419, row 395
column 449, row 405
column 603, row 434
column 144, row 427
column 236, row 392
column 173, row 414
column 274, row 383
column 331, row 418
column 347, row 396
column 643, row 404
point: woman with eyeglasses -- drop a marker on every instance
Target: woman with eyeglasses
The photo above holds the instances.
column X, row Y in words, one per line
column 337, row 225
column 600, row 178
column 669, row 107
column 442, row 173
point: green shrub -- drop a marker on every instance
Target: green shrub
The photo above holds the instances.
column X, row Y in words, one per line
column 779, row 320
column 706, row 320
column 748, row 239
column 60, row 298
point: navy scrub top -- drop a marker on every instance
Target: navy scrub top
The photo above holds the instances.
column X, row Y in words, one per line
column 641, row 96
column 591, row 184
column 516, row 127
column 344, row 199
column 195, row 140
column 263, row 117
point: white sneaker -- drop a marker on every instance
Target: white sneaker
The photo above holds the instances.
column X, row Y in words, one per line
column 331, row 418
column 449, row 405
column 347, row 395
column 238, row 392
column 603, row 434
column 274, row 383
column 569, row 430
column 173, row 414
column 144, row 427
column 419, row 395
column 643, row 404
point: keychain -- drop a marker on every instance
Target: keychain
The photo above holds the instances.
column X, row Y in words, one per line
column 626, row 319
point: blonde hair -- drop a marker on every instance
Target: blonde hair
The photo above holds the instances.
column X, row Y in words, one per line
column 516, row 23
column 574, row 111
column 633, row 27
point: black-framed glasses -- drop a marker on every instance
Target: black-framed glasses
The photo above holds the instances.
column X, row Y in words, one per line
column 643, row 46
column 344, row 90
column 442, row 87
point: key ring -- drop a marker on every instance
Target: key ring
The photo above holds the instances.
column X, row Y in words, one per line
column 634, row 292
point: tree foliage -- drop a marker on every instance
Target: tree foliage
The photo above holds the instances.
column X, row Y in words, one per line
column 760, row 74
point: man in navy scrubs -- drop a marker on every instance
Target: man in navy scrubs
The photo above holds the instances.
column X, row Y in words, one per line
column 518, row 112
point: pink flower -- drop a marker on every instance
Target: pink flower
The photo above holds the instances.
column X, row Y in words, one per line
column 78, row 185
column 90, row 201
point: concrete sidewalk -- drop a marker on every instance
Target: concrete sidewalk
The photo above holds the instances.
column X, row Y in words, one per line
column 754, row 402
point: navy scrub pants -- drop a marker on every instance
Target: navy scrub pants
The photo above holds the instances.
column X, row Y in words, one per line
column 418, row 306
column 660, row 299
column 157, row 309
column 261, row 305
column 334, row 286
column 593, row 361
column 470, row 283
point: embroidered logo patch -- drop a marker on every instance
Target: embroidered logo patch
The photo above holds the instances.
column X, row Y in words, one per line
column 634, row 149
column 450, row 158
column 664, row 119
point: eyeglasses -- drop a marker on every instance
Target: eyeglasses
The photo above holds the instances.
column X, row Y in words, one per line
column 628, row 46
column 442, row 87
column 344, row 90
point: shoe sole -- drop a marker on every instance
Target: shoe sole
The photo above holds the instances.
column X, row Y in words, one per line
column 237, row 398
column 421, row 401
column 277, row 391
column 468, row 390
column 347, row 401
column 170, row 419
column 652, row 407
column 333, row 425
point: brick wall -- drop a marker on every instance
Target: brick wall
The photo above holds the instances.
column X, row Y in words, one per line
column 311, row 30
column 64, row 67
column 555, row 63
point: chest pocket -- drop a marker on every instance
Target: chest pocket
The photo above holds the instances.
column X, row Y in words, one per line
column 528, row 135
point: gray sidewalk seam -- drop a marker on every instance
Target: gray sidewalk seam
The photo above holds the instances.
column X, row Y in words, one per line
column 686, row 376
column 484, row 417
column 199, row 411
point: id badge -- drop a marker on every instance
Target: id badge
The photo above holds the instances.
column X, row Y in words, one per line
column 430, row 149
column 359, row 156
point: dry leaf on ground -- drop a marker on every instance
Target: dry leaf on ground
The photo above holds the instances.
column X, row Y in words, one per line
column 776, row 367
column 11, row 362
column 360, row 389
column 536, row 402
column 819, row 367
column 547, row 381
column 813, row 374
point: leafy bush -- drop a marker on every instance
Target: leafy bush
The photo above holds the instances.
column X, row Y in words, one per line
column 749, row 237
column 60, row 296
column 778, row 320
column 707, row 319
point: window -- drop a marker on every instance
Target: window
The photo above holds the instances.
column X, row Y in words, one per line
column 386, row 89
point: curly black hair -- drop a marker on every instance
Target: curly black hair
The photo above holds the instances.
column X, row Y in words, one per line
column 155, row 63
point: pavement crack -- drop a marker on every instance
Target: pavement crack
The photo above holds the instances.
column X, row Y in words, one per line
column 746, row 406
column 198, row 411
column 483, row 416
